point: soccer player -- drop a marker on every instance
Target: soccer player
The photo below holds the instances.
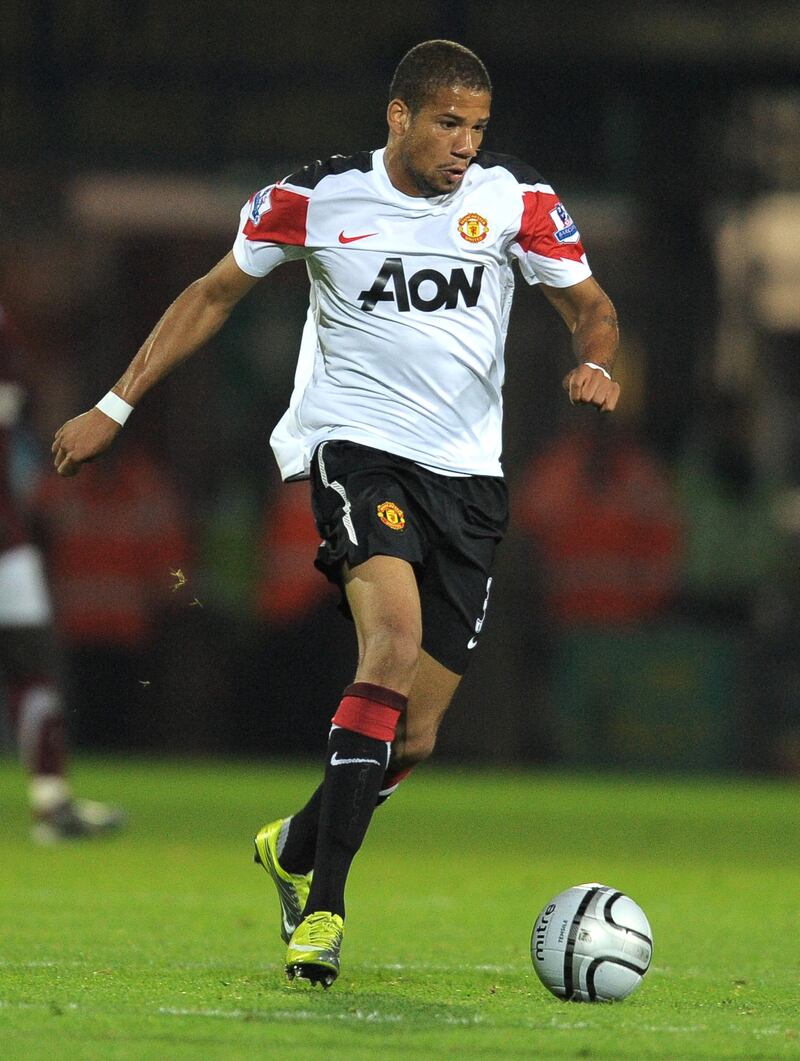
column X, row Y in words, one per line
column 28, row 652
column 396, row 418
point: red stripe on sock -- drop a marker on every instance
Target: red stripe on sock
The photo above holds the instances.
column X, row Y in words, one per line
column 373, row 715
column 378, row 693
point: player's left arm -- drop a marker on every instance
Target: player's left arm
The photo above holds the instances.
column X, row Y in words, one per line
column 589, row 314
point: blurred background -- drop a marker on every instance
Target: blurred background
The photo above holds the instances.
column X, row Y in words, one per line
column 646, row 602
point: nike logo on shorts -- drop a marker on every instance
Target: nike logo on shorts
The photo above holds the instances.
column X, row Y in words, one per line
column 336, row 761
column 472, row 642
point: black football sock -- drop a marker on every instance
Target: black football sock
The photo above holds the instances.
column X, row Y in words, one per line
column 364, row 726
column 300, row 844
column 297, row 853
column 353, row 777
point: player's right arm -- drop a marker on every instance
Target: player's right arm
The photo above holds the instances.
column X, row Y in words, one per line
column 193, row 318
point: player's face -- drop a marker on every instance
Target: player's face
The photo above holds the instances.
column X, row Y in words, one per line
column 429, row 151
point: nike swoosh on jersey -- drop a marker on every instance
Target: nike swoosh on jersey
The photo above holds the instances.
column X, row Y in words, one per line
column 336, row 761
column 352, row 239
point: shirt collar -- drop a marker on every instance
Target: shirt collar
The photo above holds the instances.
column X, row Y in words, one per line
column 414, row 202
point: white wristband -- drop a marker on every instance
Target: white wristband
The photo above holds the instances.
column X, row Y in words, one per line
column 115, row 407
column 599, row 368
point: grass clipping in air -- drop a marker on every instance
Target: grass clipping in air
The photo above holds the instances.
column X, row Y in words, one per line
column 165, row 941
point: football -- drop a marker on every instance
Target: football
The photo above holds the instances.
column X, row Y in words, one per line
column 591, row 943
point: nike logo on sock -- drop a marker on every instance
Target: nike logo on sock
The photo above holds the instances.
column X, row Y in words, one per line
column 336, row 761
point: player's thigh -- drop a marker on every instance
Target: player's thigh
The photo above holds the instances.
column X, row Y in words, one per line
column 384, row 602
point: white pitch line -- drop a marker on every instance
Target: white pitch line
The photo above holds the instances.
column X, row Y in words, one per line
column 48, row 963
column 372, row 1017
column 360, row 1016
column 288, row 1016
column 49, row 1006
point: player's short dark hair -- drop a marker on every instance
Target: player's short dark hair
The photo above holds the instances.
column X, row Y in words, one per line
column 433, row 65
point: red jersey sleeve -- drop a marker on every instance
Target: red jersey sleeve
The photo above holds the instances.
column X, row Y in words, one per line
column 548, row 244
column 272, row 229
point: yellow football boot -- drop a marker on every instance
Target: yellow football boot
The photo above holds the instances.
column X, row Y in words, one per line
column 313, row 952
column 292, row 887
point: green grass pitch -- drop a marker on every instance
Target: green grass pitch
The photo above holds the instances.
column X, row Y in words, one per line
column 163, row 943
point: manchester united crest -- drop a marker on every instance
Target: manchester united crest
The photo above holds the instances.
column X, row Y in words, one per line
column 391, row 515
column 473, row 228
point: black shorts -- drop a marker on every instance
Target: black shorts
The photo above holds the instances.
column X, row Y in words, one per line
column 368, row 503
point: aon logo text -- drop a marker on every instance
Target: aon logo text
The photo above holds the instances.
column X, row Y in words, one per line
column 427, row 289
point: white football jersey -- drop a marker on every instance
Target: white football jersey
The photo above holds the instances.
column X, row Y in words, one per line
column 402, row 348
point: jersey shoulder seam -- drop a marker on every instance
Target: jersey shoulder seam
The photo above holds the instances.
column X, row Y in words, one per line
column 519, row 170
column 310, row 176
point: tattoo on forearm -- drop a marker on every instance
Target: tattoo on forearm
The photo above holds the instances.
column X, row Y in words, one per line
column 598, row 341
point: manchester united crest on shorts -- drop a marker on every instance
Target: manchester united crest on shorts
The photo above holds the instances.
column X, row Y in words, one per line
column 473, row 228
column 391, row 515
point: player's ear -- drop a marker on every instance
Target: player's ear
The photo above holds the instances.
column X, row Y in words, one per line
column 398, row 117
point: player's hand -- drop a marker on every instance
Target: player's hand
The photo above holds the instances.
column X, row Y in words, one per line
column 82, row 438
column 590, row 386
